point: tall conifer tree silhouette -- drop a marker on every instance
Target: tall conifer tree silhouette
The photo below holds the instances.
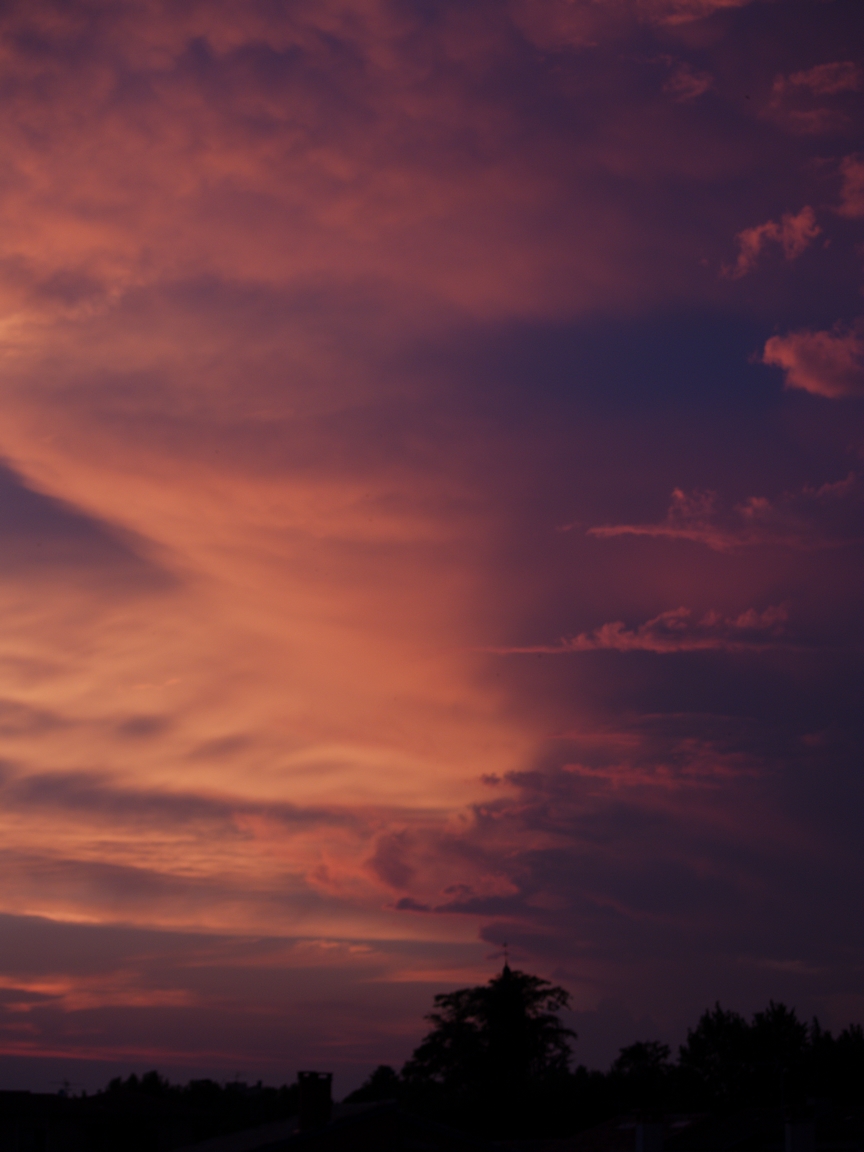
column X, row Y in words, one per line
column 494, row 1043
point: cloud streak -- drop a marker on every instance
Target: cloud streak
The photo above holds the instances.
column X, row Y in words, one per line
column 822, row 517
column 675, row 631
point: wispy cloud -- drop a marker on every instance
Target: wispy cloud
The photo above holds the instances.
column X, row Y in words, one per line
column 821, row 517
column 678, row 630
column 100, row 798
column 688, row 83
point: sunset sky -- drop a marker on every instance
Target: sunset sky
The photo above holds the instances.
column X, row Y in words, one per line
column 432, row 475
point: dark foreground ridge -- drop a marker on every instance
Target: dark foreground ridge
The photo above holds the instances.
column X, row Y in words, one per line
column 494, row 1072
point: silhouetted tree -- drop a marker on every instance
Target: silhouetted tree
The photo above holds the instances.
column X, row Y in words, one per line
column 496, row 1062
column 382, row 1084
column 496, row 1045
column 728, row 1063
column 640, row 1076
column 839, row 1063
column 149, row 1112
column 779, row 1044
column 715, row 1060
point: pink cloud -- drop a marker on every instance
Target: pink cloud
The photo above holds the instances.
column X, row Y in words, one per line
column 687, row 83
column 828, row 79
column 852, row 190
column 585, row 23
column 792, row 97
column 794, row 234
column 684, row 11
column 822, row 517
column 824, row 363
column 676, row 630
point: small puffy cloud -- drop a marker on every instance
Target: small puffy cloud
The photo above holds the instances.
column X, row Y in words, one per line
column 687, row 83
column 677, row 630
column 827, row 364
column 823, row 517
column 852, row 190
column 828, row 79
column 794, row 234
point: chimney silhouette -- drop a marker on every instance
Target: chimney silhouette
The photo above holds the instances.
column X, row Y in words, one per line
column 315, row 1099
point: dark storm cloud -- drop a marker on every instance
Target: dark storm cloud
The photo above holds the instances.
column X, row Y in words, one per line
column 689, row 862
column 677, row 851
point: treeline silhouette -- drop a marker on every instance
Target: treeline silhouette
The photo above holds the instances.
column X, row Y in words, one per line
column 203, row 1107
column 497, row 1061
column 141, row 1114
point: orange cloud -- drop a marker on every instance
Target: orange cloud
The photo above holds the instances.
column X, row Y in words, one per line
column 229, row 235
column 829, row 364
